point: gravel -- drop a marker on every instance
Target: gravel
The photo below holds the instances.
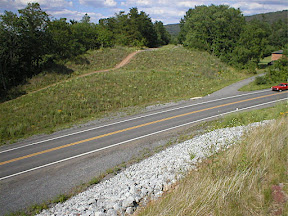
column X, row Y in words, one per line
column 147, row 180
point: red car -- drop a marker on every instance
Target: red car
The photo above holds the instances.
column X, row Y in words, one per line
column 280, row 87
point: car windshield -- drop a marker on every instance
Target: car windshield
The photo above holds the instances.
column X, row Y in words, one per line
column 281, row 84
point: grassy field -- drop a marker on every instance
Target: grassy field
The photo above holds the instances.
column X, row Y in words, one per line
column 94, row 60
column 253, row 87
column 163, row 75
column 251, row 178
column 265, row 61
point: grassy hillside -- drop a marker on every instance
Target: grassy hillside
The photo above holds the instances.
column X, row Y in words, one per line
column 251, row 178
column 167, row 74
column 92, row 61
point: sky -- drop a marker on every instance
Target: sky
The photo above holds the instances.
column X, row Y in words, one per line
column 167, row 11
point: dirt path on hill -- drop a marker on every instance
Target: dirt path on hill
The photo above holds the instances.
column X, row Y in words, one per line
column 121, row 64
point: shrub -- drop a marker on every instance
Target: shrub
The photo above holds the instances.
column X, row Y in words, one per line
column 279, row 71
column 260, row 80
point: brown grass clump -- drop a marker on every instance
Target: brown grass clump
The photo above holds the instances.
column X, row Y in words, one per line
column 249, row 179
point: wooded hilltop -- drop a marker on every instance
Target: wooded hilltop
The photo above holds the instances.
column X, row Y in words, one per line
column 31, row 41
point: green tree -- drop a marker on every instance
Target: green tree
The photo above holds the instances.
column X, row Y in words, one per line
column 145, row 27
column 63, row 44
column 163, row 37
column 85, row 19
column 279, row 34
column 184, row 28
column 23, row 45
column 278, row 72
column 212, row 28
column 105, row 36
column 252, row 44
column 11, row 66
column 86, row 34
column 33, row 25
column 132, row 29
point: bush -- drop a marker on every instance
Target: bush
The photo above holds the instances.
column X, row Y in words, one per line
column 260, row 80
column 279, row 71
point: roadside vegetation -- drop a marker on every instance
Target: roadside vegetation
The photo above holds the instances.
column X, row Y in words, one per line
column 274, row 74
column 170, row 73
column 248, row 179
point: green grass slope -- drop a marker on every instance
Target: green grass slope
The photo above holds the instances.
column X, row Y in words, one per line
column 93, row 60
column 163, row 75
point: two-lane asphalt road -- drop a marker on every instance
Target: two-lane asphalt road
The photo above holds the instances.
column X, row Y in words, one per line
column 33, row 156
column 23, row 158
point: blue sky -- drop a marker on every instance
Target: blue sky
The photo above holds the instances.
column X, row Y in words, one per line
column 167, row 11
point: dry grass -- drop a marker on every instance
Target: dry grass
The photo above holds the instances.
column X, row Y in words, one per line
column 239, row 181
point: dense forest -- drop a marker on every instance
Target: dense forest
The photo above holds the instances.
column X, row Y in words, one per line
column 224, row 32
column 31, row 41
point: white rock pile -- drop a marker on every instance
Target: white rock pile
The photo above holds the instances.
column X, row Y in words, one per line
column 148, row 179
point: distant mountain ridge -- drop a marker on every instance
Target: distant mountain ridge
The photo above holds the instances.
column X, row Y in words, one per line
column 270, row 17
column 173, row 29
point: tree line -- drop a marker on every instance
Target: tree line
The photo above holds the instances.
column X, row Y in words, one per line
column 224, row 32
column 32, row 41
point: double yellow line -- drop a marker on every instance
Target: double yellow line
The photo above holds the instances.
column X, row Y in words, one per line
column 130, row 128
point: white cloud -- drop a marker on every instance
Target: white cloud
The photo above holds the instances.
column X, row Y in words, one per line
column 98, row 3
column 76, row 15
column 167, row 11
column 20, row 4
column 189, row 4
column 167, row 15
column 259, row 6
column 110, row 3
column 137, row 3
column 171, row 11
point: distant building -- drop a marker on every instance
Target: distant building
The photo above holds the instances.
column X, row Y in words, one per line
column 277, row 55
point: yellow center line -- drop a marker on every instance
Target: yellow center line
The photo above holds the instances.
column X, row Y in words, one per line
column 130, row 128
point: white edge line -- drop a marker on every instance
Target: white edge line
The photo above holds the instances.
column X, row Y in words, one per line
column 191, row 105
column 121, row 143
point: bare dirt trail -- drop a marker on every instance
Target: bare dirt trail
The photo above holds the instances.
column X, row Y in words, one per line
column 121, row 64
